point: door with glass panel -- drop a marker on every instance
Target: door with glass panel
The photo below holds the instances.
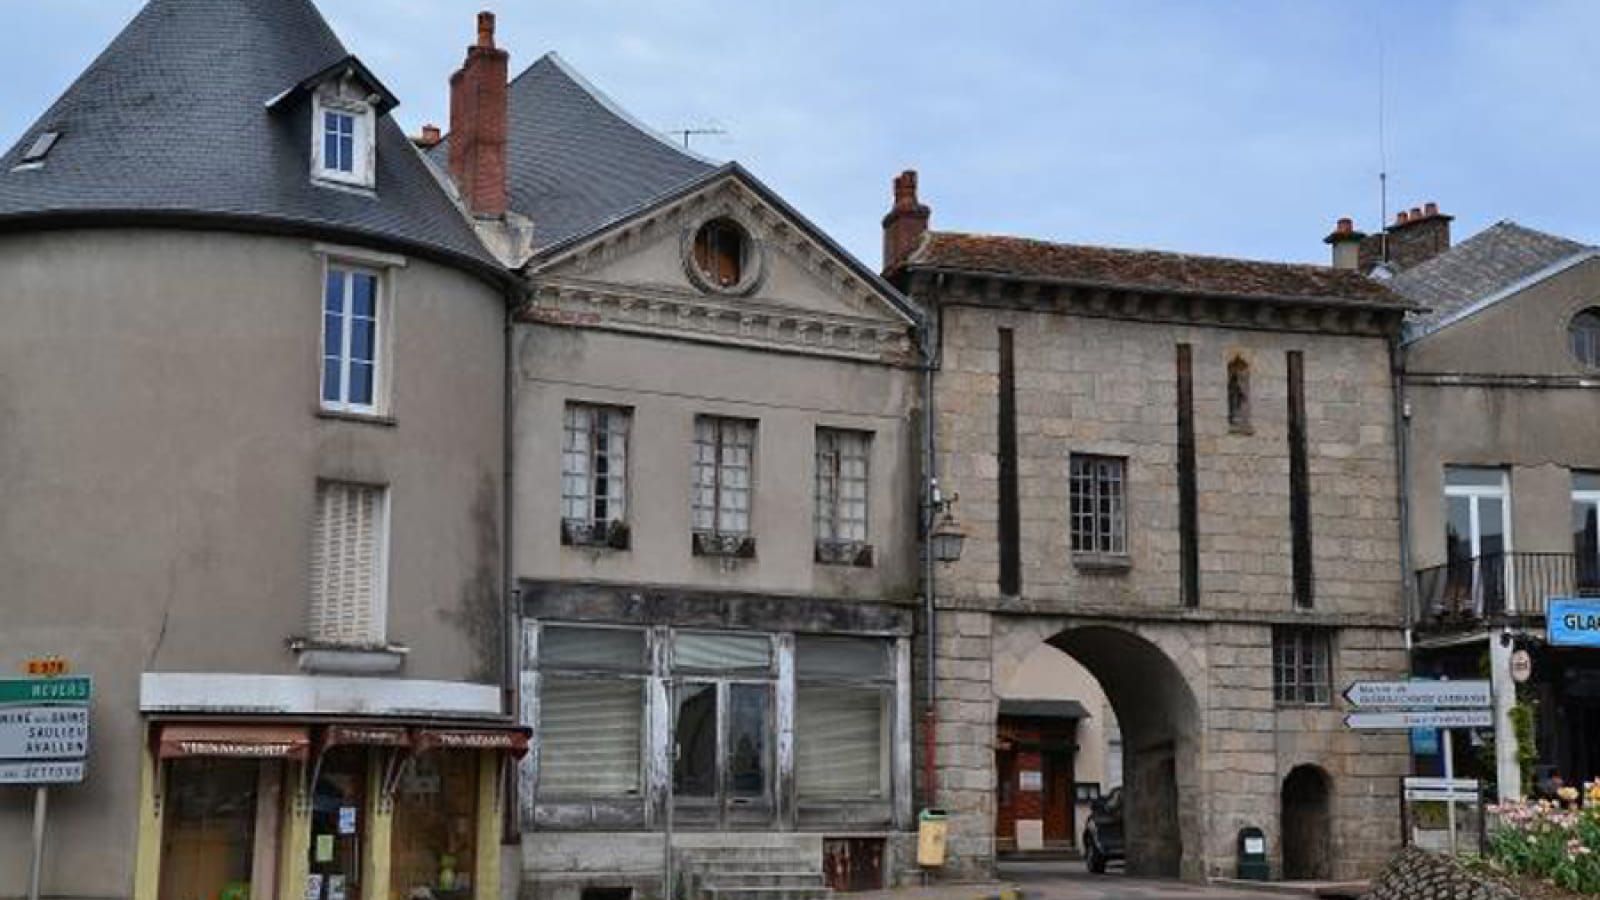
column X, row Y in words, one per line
column 1586, row 531
column 1477, row 540
column 722, row 730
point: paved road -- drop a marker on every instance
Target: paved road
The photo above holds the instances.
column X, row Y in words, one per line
column 1070, row 881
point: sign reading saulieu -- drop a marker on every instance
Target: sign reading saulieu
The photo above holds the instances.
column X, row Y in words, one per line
column 44, row 729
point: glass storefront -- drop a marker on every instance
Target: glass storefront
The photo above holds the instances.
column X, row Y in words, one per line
column 209, row 834
column 338, row 824
column 436, row 827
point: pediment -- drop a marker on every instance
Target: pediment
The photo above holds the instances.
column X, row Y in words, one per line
column 789, row 269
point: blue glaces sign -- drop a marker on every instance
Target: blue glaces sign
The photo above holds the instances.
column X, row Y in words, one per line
column 1574, row 623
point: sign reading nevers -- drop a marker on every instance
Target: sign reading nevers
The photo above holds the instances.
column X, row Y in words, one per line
column 44, row 729
column 1418, row 694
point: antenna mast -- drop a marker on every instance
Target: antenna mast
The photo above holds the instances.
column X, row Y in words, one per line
column 687, row 133
column 1383, row 157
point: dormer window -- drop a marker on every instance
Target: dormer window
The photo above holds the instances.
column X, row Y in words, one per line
column 342, row 147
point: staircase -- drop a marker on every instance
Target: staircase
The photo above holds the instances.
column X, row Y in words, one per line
column 750, row 873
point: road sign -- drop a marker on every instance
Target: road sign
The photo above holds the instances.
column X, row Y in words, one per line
column 44, row 732
column 1573, row 623
column 54, row 771
column 1421, row 718
column 1424, row 694
column 33, row 691
column 1448, row 790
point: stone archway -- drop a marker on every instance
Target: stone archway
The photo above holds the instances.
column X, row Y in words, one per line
column 1150, row 675
column 1305, row 820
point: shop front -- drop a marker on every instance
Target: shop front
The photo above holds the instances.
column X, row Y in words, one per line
column 322, row 811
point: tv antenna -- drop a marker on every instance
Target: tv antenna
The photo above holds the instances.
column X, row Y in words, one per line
column 687, row 133
column 1383, row 155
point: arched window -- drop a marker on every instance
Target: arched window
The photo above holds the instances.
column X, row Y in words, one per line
column 719, row 252
column 1239, row 394
column 1583, row 332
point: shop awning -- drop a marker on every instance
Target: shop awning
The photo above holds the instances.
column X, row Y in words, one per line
column 365, row 735
column 251, row 741
column 514, row 740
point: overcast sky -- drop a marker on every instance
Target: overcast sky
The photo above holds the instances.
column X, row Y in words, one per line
column 1237, row 128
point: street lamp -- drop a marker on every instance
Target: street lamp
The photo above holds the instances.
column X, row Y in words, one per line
column 947, row 537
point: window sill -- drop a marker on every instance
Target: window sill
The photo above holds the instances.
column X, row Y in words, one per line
column 587, row 536
column 736, row 546
column 1109, row 563
column 855, row 554
column 1241, row 429
column 341, row 415
column 339, row 659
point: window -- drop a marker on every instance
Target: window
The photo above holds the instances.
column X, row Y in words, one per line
column 724, row 451
column 841, row 496
column 720, row 248
column 1477, row 537
column 1300, row 670
column 591, row 711
column 342, row 141
column 1583, row 335
column 1098, row 502
column 348, row 562
column 350, row 340
column 1239, row 394
column 594, row 473
column 844, row 692
column 1586, row 529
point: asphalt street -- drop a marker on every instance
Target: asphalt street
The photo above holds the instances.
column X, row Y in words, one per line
column 1071, row 881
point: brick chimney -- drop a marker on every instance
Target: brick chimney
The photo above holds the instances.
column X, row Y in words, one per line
column 1417, row 236
column 906, row 222
column 1346, row 243
column 478, row 124
column 429, row 138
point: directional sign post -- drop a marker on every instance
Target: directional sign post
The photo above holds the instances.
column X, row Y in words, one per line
column 1419, row 694
column 1420, row 718
column 44, row 740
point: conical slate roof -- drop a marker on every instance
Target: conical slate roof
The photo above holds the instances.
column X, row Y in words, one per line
column 171, row 125
column 576, row 160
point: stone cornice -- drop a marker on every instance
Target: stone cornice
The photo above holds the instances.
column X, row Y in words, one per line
column 1331, row 315
column 1070, row 609
column 682, row 315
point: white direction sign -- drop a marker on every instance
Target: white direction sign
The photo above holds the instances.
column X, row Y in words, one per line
column 1450, row 790
column 1421, row 718
column 54, row 771
column 1427, row 694
column 44, row 732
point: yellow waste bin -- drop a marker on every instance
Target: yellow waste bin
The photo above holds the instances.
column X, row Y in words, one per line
column 932, row 827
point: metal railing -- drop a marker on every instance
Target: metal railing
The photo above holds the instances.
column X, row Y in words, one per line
column 1499, row 584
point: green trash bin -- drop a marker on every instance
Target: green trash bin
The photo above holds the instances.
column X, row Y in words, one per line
column 1253, row 863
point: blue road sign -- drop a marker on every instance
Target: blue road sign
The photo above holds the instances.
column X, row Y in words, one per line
column 1574, row 622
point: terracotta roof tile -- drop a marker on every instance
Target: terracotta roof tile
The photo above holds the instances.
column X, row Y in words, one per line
column 1115, row 267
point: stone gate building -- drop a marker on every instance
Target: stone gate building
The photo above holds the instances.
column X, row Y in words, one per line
column 1179, row 470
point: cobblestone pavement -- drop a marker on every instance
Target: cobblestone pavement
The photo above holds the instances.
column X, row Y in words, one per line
column 1071, row 881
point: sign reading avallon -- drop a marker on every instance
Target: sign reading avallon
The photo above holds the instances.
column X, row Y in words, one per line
column 1412, row 694
column 44, row 732
column 1573, row 623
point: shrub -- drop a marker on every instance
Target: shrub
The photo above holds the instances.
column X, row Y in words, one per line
column 1556, row 841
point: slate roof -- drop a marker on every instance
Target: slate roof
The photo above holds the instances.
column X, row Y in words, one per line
column 1477, row 269
column 577, row 160
column 171, row 123
column 1118, row 268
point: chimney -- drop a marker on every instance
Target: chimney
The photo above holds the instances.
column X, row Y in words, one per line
column 1346, row 243
column 906, row 222
column 1417, row 236
column 478, row 124
column 429, row 138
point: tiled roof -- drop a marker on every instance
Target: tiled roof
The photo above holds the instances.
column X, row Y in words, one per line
column 576, row 160
column 1477, row 269
column 1119, row 268
column 172, row 121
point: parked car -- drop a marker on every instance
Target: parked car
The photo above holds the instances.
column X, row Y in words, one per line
column 1102, row 834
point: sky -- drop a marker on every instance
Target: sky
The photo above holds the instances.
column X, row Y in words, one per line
column 1231, row 127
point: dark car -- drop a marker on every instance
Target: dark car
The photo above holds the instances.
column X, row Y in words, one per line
column 1102, row 835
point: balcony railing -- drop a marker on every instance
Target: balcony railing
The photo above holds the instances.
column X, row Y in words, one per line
column 1464, row 591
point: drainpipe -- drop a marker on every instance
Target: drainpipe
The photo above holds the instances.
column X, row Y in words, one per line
column 930, row 612
column 1402, row 424
column 511, row 669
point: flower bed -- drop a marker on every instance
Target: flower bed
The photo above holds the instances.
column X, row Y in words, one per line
column 1557, row 841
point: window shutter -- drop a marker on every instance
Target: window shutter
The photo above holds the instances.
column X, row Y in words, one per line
column 839, row 743
column 589, row 736
column 346, row 559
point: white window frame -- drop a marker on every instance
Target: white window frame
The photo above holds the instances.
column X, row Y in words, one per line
column 381, row 267
column 1474, row 494
column 363, row 148
column 380, row 580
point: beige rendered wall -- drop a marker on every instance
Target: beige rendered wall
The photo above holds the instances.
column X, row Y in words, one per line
column 159, row 450
column 667, row 382
column 1536, row 418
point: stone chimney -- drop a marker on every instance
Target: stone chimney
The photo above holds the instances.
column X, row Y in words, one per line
column 1346, row 243
column 906, row 222
column 478, row 124
column 1417, row 235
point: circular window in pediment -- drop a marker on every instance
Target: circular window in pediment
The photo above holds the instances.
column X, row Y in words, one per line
column 1583, row 336
column 721, row 257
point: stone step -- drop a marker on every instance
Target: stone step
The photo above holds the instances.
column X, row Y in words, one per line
column 771, row 852
column 766, row 893
column 763, row 879
column 796, row 864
